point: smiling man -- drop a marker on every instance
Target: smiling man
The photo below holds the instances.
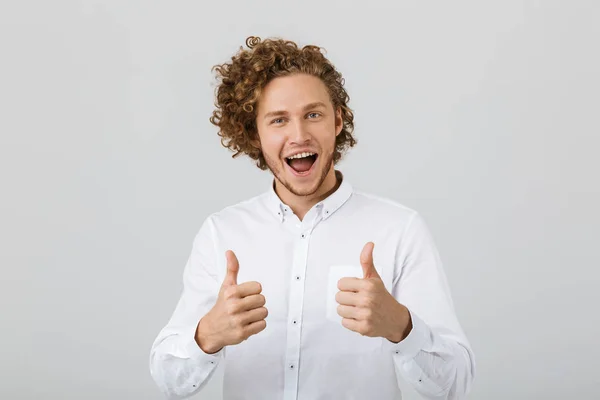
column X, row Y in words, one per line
column 312, row 290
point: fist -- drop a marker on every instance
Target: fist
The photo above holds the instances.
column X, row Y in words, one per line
column 366, row 307
column 238, row 313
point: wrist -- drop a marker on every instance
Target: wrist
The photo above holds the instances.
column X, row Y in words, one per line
column 404, row 328
column 203, row 338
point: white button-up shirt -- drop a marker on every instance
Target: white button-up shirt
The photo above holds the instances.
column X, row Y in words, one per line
column 305, row 353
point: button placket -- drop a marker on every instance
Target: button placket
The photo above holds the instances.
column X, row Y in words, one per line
column 296, row 302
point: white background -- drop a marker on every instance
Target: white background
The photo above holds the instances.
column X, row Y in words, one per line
column 483, row 116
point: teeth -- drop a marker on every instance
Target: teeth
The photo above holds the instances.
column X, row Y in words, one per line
column 301, row 155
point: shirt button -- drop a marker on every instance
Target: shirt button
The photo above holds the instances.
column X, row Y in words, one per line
column 294, row 322
column 291, row 366
column 297, row 277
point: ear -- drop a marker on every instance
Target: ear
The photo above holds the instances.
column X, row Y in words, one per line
column 339, row 122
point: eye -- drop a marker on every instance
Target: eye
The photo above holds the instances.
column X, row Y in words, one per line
column 314, row 115
column 277, row 121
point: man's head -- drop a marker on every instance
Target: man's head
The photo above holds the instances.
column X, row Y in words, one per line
column 275, row 100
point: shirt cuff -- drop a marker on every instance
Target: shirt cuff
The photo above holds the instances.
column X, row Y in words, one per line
column 418, row 338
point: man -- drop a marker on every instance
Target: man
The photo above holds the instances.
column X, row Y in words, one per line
column 311, row 290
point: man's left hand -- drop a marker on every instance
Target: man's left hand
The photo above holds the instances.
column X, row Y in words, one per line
column 367, row 307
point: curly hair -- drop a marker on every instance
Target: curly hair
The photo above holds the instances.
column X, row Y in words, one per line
column 243, row 79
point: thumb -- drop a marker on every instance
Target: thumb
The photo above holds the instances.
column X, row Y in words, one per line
column 366, row 260
column 233, row 266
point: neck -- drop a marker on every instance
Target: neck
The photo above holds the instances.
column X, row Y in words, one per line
column 300, row 205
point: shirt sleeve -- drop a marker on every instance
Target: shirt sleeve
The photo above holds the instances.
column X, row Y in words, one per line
column 435, row 358
column 178, row 365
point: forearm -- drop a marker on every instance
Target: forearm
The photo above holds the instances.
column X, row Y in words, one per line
column 437, row 366
column 179, row 366
column 435, row 357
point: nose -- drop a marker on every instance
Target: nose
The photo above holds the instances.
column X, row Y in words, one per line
column 299, row 133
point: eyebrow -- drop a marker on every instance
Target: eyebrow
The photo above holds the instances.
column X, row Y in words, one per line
column 305, row 108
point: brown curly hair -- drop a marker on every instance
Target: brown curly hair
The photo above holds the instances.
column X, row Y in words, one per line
column 241, row 83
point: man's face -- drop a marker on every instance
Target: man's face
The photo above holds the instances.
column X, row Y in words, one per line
column 295, row 116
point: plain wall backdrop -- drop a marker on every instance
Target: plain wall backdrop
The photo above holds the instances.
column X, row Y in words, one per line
column 483, row 116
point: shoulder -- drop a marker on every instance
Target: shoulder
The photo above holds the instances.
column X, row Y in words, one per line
column 390, row 214
column 382, row 206
column 245, row 209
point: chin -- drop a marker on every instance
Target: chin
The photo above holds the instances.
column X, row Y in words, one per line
column 302, row 190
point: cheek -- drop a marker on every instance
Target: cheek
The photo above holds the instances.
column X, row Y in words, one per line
column 328, row 136
column 272, row 144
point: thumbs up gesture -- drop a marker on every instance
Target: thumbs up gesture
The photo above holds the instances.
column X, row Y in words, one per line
column 367, row 307
column 238, row 313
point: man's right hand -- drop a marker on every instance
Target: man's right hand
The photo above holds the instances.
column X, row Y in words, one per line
column 238, row 313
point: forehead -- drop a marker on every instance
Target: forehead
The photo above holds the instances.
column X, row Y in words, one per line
column 292, row 93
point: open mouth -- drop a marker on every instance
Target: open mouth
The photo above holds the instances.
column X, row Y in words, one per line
column 302, row 163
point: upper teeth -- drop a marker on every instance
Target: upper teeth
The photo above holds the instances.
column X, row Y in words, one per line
column 301, row 155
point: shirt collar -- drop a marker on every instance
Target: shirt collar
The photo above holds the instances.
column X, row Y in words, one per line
column 328, row 205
